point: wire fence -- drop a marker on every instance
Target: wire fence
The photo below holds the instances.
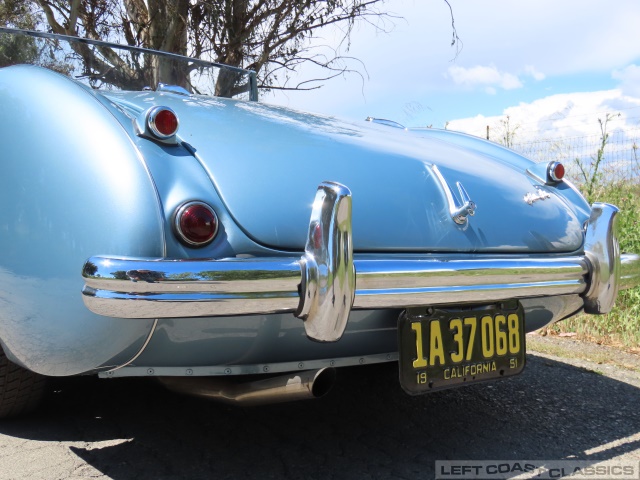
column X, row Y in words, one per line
column 620, row 157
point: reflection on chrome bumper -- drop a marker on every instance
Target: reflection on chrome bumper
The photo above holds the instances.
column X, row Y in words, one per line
column 324, row 284
column 602, row 250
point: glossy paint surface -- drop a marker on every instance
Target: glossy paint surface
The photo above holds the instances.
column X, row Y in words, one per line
column 78, row 181
column 72, row 183
column 248, row 344
column 266, row 162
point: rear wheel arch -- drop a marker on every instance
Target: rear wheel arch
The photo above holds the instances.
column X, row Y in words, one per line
column 21, row 390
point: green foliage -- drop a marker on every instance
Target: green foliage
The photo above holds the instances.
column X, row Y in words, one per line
column 626, row 197
column 18, row 14
column 270, row 37
column 622, row 325
column 15, row 49
column 591, row 174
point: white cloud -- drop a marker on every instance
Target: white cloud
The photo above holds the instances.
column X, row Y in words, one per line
column 533, row 72
column 546, row 45
column 567, row 128
column 560, row 116
column 488, row 76
column 629, row 78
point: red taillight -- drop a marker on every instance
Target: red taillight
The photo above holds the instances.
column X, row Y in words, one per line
column 196, row 223
column 555, row 171
column 162, row 122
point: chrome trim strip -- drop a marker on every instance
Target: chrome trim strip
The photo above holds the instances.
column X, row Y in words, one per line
column 144, row 345
column 232, row 370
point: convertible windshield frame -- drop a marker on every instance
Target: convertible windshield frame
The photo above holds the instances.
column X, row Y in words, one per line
column 250, row 74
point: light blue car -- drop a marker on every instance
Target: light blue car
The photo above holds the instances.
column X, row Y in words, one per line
column 245, row 252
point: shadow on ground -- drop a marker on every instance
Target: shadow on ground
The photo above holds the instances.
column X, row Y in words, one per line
column 365, row 428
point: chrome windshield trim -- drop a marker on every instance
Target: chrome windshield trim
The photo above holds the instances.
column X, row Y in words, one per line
column 119, row 46
column 253, row 85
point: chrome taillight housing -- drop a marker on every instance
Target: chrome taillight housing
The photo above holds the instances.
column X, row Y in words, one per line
column 549, row 173
column 555, row 172
column 196, row 224
column 162, row 122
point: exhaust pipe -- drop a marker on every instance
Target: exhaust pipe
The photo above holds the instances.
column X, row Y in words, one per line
column 263, row 391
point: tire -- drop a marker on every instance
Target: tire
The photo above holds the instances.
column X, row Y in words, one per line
column 20, row 389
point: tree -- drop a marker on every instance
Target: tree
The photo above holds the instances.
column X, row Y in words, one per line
column 267, row 36
column 18, row 14
column 270, row 37
column 507, row 132
column 17, row 49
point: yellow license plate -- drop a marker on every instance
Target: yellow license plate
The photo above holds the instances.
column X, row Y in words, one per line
column 447, row 348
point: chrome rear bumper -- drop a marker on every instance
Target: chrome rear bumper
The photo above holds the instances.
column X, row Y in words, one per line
column 323, row 285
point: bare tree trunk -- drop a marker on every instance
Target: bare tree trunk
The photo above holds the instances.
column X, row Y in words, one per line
column 235, row 22
column 168, row 32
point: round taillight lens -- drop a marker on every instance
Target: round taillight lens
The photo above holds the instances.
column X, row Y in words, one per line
column 555, row 171
column 196, row 223
column 162, row 122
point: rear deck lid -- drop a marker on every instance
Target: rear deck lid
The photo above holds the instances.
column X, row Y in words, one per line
column 266, row 163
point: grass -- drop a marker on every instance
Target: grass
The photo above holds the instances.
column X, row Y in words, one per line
column 621, row 327
column 598, row 354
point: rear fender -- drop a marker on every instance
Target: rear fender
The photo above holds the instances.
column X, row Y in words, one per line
column 72, row 184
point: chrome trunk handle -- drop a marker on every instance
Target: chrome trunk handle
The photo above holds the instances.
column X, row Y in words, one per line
column 459, row 212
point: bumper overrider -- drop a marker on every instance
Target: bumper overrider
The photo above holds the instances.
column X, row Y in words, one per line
column 322, row 286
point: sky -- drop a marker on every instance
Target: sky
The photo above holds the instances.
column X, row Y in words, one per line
column 543, row 62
